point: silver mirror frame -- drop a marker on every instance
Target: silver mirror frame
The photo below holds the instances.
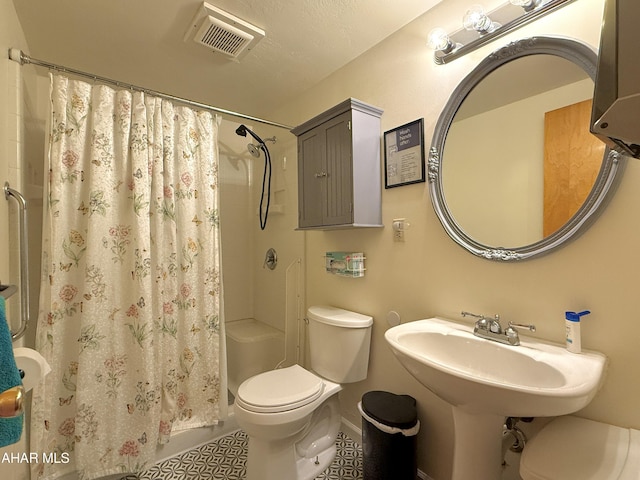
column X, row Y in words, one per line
column 606, row 181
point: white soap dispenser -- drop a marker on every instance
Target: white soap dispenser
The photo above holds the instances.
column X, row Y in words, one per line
column 572, row 326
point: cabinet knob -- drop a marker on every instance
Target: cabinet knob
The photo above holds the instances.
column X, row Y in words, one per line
column 320, row 174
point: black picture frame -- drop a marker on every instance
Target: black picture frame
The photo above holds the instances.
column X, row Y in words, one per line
column 404, row 158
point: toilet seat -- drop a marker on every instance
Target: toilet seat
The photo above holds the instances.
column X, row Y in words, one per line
column 280, row 390
column 572, row 448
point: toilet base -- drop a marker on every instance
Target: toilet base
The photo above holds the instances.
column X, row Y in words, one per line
column 282, row 462
column 310, row 468
column 303, row 454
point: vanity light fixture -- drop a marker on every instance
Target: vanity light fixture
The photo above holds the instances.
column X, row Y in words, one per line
column 479, row 27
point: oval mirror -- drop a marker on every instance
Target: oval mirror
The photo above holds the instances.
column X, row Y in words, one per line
column 513, row 170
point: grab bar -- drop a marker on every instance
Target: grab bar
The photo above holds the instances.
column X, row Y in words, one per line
column 24, row 261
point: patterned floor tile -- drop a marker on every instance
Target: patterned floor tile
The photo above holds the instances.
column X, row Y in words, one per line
column 225, row 459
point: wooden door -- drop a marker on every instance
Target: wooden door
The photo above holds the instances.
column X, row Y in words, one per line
column 572, row 160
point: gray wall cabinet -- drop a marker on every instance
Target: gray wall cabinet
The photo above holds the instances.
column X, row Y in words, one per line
column 339, row 183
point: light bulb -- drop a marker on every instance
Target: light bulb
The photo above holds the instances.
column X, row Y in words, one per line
column 476, row 19
column 528, row 5
column 439, row 41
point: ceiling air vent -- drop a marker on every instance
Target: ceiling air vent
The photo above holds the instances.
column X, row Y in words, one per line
column 223, row 32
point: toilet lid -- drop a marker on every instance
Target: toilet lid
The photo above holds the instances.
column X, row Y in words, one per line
column 280, row 390
column 572, row 448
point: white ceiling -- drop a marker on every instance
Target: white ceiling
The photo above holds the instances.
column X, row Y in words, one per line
column 142, row 42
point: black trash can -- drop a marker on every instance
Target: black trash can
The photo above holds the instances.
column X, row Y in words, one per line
column 389, row 428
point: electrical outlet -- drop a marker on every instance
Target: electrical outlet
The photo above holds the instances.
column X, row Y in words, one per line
column 399, row 225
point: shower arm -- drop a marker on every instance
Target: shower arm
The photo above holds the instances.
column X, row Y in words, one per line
column 260, row 146
column 24, row 260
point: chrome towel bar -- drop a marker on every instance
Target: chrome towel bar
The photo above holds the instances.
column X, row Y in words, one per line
column 24, row 260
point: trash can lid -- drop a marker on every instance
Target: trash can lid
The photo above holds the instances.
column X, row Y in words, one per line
column 390, row 409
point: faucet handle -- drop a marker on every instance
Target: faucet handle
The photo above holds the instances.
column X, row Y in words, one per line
column 486, row 323
column 512, row 336
column 481, row 318
column 530, row 327
column 474, row 315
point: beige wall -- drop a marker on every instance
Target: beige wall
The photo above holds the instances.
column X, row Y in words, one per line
column 430, row 275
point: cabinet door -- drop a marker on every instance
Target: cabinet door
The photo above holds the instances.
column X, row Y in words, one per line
column 338, row 209
column 310, row 171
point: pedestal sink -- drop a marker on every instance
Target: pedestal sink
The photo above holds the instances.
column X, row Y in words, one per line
column 485, row 382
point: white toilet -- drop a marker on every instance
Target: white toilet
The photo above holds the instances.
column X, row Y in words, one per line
column 291, row 415
column 572, row 448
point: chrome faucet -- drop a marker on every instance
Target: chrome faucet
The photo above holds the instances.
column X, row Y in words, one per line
column 491, row 329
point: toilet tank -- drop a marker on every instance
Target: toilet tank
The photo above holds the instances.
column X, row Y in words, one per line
column 339, row 343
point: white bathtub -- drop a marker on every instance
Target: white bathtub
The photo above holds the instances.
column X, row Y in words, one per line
column 252, row 347
column 181, row 442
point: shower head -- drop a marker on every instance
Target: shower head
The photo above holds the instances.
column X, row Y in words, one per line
column 254, row 149
column 242, row 131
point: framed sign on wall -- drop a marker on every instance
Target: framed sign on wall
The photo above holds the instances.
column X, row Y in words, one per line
column 404, row 155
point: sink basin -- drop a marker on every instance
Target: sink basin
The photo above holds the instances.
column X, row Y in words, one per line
column 486, row 381
column 536, row 378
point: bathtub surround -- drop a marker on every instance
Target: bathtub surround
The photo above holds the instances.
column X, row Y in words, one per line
column 130, row 309
column 12, row 143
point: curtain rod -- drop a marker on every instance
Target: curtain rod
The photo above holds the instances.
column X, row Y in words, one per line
column 19, row 56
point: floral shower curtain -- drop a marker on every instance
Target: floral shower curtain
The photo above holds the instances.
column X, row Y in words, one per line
column 131, row 308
